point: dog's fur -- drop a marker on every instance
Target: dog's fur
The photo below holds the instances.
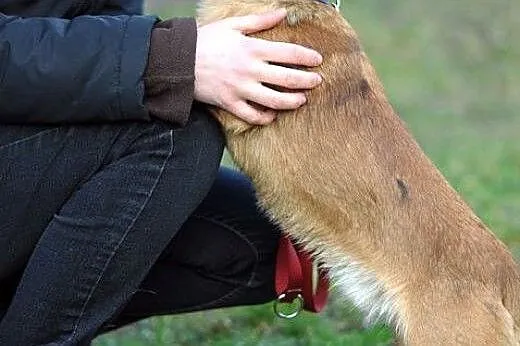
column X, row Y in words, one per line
column 343, row 176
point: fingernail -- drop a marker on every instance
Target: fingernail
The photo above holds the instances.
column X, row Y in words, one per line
column 318, row 79
column 269, row 118
column 282, row 10
column 319, row 59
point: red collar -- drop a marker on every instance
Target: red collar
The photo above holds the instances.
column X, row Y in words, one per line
column 294, row 279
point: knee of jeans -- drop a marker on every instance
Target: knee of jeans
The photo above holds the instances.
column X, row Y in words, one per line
column 192, row 154
column 199, row 147
column 238, row 265
column 217, row 250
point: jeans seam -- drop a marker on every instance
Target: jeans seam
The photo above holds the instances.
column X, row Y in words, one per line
column 214, row 301
column 199, row 307
column 93, row 289
column 28, row 138
column 241, row 236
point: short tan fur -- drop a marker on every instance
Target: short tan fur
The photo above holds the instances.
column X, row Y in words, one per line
column 343, row 176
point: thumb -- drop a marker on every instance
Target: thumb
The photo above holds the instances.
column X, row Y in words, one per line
column 257, row 22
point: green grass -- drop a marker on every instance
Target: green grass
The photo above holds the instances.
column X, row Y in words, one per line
column 452, row 70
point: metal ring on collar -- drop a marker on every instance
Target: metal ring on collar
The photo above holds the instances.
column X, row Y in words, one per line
column 278, row 302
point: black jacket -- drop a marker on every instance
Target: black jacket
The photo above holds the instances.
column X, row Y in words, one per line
column 69, row 61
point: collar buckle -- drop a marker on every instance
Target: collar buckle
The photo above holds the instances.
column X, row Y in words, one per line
column 335, row 3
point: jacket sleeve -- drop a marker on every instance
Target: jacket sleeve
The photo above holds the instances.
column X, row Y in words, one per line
column 169, row 78
column 86, row 69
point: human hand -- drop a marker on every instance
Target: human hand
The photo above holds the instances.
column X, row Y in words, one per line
column 230, row 68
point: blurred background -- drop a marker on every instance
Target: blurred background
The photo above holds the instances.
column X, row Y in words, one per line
column 452, row 71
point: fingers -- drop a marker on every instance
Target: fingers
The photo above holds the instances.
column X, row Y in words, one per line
column 286, row 53
column 262, row 104
column 274, row 99
column 288, row 77
column 257, row 22
column 252, row 115
column 229, row 73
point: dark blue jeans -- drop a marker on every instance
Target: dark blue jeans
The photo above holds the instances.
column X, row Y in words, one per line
column 103, row 225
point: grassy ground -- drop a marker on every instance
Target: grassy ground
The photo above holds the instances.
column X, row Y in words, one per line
column 452, row 70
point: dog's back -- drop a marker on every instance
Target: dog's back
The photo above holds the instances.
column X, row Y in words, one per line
column 343, row 176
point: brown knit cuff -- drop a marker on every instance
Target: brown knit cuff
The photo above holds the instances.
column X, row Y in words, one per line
column 170, row 75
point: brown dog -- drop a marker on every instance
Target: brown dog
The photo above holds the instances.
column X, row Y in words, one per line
column 344, row 177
